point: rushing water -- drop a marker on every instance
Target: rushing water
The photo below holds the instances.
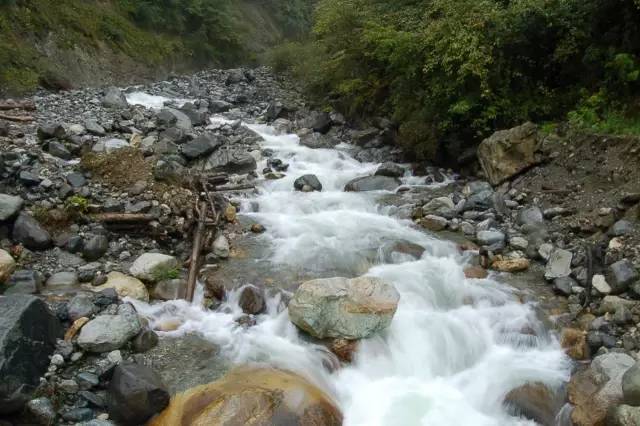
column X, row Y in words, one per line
column 456, row 346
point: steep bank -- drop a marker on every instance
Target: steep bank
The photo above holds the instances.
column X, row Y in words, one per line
column 72, row 43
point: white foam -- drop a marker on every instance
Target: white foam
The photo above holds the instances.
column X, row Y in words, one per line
column 152, row 101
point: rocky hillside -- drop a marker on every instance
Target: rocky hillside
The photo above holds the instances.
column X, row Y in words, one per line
column 73, row 43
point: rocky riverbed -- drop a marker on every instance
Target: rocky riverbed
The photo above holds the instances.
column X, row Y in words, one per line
column 464, row 297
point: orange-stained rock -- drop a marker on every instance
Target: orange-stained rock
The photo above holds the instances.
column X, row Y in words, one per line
column 344, row 349
column 535, row 401
column 574, row 342
column 252, row 396
column 510, row 265
column 475, row 272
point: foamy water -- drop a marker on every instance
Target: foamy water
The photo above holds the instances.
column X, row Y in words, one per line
column 456, row 346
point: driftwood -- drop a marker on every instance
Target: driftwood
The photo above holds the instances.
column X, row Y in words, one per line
column 198, row 235
column 17, row 118
column 124, row 218
column 239, row 187
column 11, row 104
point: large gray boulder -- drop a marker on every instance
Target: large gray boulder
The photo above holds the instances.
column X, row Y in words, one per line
column 231, row 160
column 135, row 394
column 28, row 333
column 344, row 308
column 114, row 98
column 202, row 145
column 110, row 332
column 307, row 183
column 372, row 183
column 10, row 205
column 28, row 232
column 509, row 152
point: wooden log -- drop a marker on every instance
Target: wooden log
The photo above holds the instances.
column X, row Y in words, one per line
column 198, row 235
column 11, row 104
column 240, row 187
column 124, row 218
column 17, row 118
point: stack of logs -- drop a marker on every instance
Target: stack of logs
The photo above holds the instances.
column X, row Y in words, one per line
column 16, row 110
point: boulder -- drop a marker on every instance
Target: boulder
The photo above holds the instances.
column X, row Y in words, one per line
column 106, row 333
column 624, row 415
column 487, row 238
column 559, row 264
column 631, row 386
column 621, row 274
column 252, row 396
column 135, row 394
column 434, row 223
column 441, row 206
column 10, row 205
column 372, row 183
column 252, row 300
column 7, row 266
column 390, row 169
column 28, row 334
column 202, row 145
column 316, row 140
column 594, row 390
column 94, row 128
column 125, row 286
column 153, row 267
column 481, row 200
column 507, row 153
column 28, row 232
column 307, row 183
column 169, row 289
column 114, row 98
column 344, row 308
column 574, row 342
column 231, row 160
column 322, row 122
column 95, row 247
column 170, row 117
column 534, row 401
column 221, row 247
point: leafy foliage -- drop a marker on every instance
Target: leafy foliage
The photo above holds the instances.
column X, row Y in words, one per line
column 451, row 72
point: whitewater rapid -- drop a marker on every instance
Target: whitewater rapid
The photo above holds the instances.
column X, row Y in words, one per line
column 456, row 346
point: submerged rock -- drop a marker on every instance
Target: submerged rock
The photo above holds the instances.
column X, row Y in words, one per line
column 372, row 183
column 344, row 308
column 252, row 396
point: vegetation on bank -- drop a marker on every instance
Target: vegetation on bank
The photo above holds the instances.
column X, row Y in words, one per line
column 451, row 72
column 192, row 33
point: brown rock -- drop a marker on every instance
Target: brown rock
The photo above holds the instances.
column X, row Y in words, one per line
column 535, row 401
column 509, row 152
column 510, row 265
column 257, row 228
column 475, row 272
column 230, row 213
column 255, row 397
column 574, row 342
column 251, row 300
column 344, row 349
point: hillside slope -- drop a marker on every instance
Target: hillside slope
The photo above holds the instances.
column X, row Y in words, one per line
column 73, row 43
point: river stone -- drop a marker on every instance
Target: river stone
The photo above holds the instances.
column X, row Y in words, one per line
column 30, row 234
column 114, row 98
column 390, row 169
column 135, row 394
column 231, row 160
column 594, row 390
column 631, row 385
column 42, row 410
column 110, row 145
column 169, row 289
column 372, row 183
column 57, row 149
column 487, row 238
column 153, row 266
column 559, row 264
column 624, row 415
column 146, row 340
column 62, row 281
column 531, row 216
column 534, row 401
column 125, row 286
column 307, row 183
column 81, row 305
column 179, row 119
column 316, row 140
column 441, row 206
column 28, row 333
column 7, row 266
column 251, row 300
column 24, row 282
column 621, row 274
column 620, row 228
column 344, row 308
column 600, row 283
column 221, row 247
column 94, row 128
column 202, row 145
column 95, row 247
column 509, row 152
column 433, row 222
column 482, row 200
column 252, row 396
column 106, row 333
column 10, row 205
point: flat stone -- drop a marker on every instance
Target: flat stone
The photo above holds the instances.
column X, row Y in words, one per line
column 487, row 238
column 10, row 205
column 125, row 286
column 559, row 264
column 621, row 228
column 76, row 180
column 153, row 266
column 62, row 281
column 109, row 332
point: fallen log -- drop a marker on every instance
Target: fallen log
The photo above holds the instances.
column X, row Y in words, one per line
column 240, row 187
column 124, row 218
column 17, row 118
column 11, row 104
column 198, row 234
